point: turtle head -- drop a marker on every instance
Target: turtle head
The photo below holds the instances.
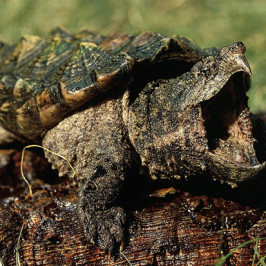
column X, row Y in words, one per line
column 199, row 122
column 226, row 120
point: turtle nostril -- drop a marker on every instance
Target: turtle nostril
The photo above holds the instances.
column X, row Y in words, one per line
column 238, row 47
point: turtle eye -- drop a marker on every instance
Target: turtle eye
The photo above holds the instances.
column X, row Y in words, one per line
column 205, row 69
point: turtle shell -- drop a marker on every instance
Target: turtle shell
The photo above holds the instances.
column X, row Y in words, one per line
column 42, row 80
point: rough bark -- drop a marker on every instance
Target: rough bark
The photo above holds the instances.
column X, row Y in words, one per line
column 192, row 225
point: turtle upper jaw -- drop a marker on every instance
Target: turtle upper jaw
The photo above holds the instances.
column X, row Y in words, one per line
column 230, row 155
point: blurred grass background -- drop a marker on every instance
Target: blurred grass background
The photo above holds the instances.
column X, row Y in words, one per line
column 207, row 22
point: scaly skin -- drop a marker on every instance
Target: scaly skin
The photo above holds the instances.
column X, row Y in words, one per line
column 102, row 158
column 169, row 125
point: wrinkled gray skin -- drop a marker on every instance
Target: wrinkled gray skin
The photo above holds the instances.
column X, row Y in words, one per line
column 194, row 123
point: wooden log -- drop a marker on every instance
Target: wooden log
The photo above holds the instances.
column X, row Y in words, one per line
column 190, row 222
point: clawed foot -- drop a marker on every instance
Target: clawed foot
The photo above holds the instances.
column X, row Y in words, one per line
column 102, row 219
column 105, row 228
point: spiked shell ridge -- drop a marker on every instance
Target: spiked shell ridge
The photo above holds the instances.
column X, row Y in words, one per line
column 42, row 80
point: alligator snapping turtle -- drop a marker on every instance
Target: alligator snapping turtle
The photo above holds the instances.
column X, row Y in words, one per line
column 120, row 104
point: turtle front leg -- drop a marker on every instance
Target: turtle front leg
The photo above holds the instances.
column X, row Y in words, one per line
column 95, row 141
column 102, row 218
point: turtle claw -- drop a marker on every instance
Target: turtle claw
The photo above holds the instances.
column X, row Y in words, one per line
column 105, row 228
column 122, row 245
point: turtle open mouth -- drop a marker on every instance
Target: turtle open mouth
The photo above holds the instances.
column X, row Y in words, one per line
column 228, row 126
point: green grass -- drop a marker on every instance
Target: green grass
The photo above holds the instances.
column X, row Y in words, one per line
column 17, row 249
column 208, row 22
column 18, row 245
column 257, row 258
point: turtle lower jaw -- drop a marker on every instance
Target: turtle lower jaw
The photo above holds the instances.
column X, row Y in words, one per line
column 232, row 172
column 235, row 149
column 233, row 163
column 230, row 155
